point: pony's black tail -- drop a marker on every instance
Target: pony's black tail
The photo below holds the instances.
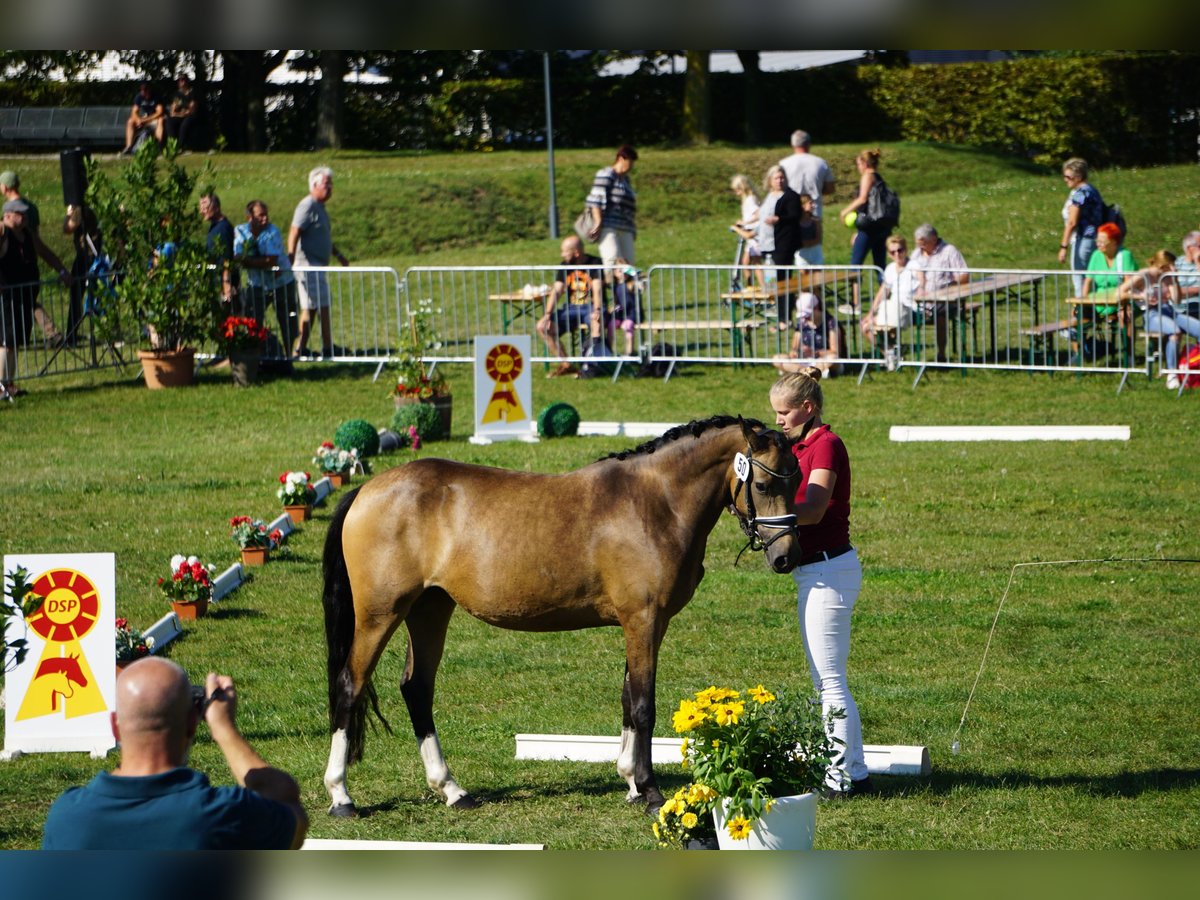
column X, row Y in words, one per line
column 338, row 601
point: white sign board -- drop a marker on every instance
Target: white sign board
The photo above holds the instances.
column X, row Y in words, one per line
column 503, row 389
column 59, row 698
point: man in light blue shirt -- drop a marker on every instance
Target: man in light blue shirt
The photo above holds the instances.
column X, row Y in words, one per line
column 259, row 248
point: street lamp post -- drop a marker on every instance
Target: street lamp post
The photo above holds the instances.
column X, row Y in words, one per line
column 550, row 149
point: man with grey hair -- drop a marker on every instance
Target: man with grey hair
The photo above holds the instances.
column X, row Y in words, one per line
column 1189, row 272
column 153, row 800
column 310, row 243
column 806, row 172
column 940, row 265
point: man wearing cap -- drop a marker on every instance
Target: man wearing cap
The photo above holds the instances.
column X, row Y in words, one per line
column 10, row 185
column 19, row 275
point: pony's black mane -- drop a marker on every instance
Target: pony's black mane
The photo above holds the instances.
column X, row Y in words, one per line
column 695, row 428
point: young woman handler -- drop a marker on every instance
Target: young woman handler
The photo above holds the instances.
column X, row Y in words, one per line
column 829, row 575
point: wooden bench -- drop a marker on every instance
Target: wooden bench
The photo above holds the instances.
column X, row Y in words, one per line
column 1041, row 335
column 46, row 126
column 739, row 330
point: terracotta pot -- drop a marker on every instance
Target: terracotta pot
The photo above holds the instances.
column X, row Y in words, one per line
column 244, row 368
column 299, row 513
column 444, row 406
column 187, row 611
column 168, row 368
column 337, row 479
column 254, row 556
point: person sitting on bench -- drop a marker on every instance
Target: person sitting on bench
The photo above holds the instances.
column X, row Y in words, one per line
column 146, row 113
column 581, row 279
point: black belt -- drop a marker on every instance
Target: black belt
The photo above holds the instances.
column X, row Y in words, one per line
column 824, row 555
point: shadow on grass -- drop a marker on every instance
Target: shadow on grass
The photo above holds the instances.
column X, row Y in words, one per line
column 1122, row 784
column 218, row 612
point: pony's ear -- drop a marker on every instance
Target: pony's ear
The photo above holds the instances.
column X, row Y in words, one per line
column 747, row 431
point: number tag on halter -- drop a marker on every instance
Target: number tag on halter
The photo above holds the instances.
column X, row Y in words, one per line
column 741, row 467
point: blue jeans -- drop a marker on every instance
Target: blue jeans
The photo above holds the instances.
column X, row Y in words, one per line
column 1080, row 253
column 1170, row 323
column 873, row 240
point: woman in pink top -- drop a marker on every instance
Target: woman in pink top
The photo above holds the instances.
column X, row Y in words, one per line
column 829, row 575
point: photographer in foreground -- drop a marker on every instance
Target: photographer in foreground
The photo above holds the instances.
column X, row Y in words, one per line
column 153, row 801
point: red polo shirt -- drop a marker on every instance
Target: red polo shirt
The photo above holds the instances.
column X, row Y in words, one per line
column 822, row 449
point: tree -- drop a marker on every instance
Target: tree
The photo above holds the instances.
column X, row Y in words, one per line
column 752, row 91
column 329, row 99
column 697, row 98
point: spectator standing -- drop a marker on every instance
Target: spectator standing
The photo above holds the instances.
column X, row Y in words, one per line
column 153, row 801
column 310, row 243
column 81, row 224
column 19, row 277
column 259, row 247
column 182, row 113
column 581, row 281
column 869, row 236
column 779, row 228
column 10, row 187
column 613, row 205
column 145, row 113
column 1082, row 213
column 810, row 233
column 746, row 227
column 829, row 578
column 220, row 243
column 808, row 173
column 939, row 265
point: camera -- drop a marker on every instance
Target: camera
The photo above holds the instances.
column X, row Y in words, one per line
column 199, row 699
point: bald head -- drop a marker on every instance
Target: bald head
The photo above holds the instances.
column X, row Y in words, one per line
column 572, row 247
column 153, row 699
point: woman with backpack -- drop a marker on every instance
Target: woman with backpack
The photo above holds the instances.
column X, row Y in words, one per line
column 871, row 233
column 1083, row 213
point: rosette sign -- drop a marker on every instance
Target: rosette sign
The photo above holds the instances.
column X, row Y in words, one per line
column 57, row 699
column 503, row 391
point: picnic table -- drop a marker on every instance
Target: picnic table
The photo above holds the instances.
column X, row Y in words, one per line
column 749, row 304
column 515, row 304
column 991, row 288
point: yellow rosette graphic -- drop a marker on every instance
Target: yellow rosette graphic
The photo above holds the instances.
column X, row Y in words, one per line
column 63, row 683
column 503, row 364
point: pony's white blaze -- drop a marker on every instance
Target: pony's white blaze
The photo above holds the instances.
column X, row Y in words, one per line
column 437, row 773
column 625, row 763
column 335, row 772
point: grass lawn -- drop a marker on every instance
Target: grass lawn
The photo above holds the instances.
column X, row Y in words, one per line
column 1080, row 734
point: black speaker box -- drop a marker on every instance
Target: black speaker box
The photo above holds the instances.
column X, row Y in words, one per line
column 74, row 177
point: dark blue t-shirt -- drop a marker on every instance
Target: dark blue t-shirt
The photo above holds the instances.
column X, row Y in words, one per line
column 1091, row 209
column 176, row 810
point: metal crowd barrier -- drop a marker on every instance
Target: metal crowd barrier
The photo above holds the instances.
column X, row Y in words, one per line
column 1000, row 319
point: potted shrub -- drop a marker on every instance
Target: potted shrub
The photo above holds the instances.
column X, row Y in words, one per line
column 243, row 340
column 168, row 298
column 297, row 495
column 132, row 645
column 253, row 539
column 757, row 760
column 415, row 384
column 189, row 588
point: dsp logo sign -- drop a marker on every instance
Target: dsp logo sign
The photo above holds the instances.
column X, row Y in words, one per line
column 60, row 696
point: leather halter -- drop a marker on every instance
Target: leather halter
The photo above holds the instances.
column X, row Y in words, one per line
column 751, row 521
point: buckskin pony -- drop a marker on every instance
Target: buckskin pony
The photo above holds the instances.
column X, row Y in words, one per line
column 618, row 542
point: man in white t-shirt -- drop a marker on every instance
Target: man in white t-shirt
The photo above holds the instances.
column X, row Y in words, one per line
column 806, row 172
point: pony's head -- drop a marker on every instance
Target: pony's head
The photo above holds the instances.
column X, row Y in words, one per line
column 762, row 483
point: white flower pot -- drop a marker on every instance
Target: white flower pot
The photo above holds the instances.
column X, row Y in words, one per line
column 790, row 825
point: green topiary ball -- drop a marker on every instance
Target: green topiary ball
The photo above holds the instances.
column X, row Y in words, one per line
column 423, row 416
column 357, row 434
column 558, row 420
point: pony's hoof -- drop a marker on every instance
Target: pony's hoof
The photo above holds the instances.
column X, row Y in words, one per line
column 343, row 811
column 466, row 801
column 652, row 807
